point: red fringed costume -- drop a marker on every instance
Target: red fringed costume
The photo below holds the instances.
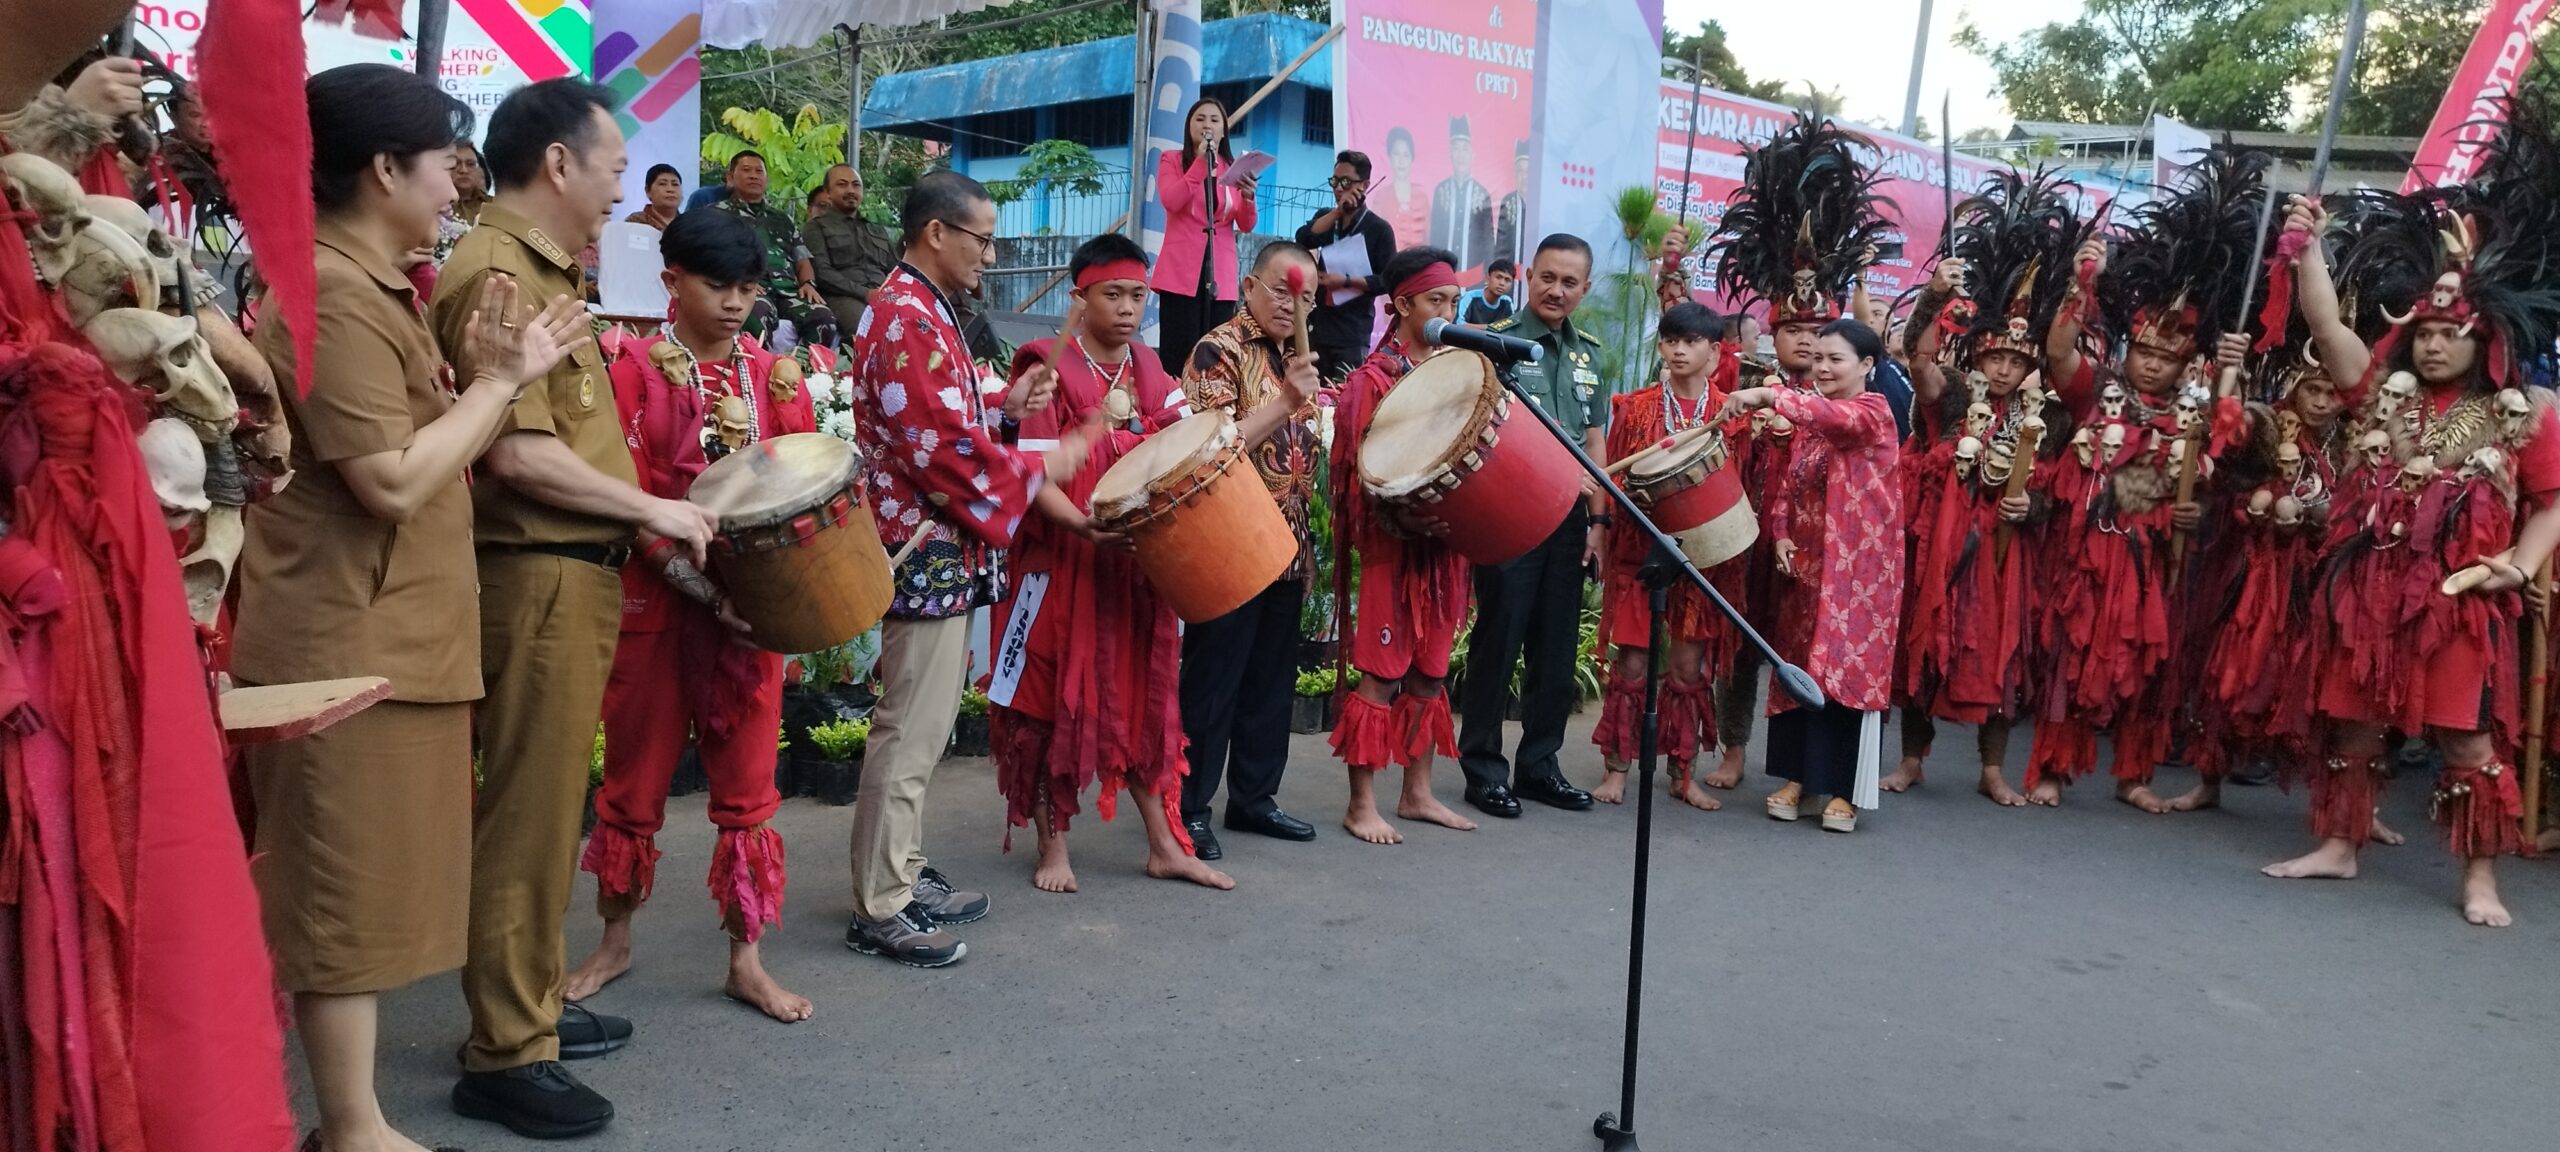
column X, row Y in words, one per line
column 1687, row 711
column 677, row 670
column 2261, row 568
column 1414, row 594
column 1969, row 625
column 1085, row 681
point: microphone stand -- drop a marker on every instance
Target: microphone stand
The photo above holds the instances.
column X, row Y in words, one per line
column 1664, row 566
column 1208, row 239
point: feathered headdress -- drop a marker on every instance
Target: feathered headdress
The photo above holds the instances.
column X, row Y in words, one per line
column 2016, row 236
column 1797, row 229
column 2178, row 279
column 2489, row 262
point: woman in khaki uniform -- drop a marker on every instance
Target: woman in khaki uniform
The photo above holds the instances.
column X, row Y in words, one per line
column 363, row 566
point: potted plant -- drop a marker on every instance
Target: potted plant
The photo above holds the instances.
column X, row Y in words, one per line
column 969, row 735
column 595, row 783
column 835, row 760
column 1311, row 710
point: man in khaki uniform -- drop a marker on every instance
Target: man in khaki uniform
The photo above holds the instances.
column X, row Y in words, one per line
column 852, row 256
column 556, row 505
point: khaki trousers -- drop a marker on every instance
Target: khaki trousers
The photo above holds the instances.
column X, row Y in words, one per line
column 922, row 665
column 547, row 630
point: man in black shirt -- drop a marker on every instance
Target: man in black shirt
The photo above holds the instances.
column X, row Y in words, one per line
column 1340, row 332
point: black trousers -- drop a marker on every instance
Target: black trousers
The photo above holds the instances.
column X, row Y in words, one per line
column 1237, row 675
column 1180, row 324
column 1531, row 606
column 1817, row 747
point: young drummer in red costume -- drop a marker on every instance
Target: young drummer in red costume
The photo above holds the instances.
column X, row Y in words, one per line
column 1413, row 589
column 2464, row 460
column 2113, row 610
column 1701, row 639
column 1977, row 526
column 1085, row 677
column 1797, row 235
column 683, row 667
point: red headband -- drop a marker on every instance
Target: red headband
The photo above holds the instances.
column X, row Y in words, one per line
column 1437, row 274
column 1112, row 270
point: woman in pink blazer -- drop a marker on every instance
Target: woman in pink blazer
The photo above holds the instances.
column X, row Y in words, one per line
column 1193, row 297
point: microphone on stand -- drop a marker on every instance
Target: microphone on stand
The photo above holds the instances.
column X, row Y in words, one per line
column 1492, row 346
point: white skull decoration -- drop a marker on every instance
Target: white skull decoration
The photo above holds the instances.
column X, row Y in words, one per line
column 2375, row 447
column 2190, row 408
column 131, row 219
column 174, row 459
column 109, row 269
column 2084, row 443
column 2261, row 502
column 1997, row 462
column 2288, row 511
column 1977, row 420
column 2487, row 462
column 207, row 570
column 41, row 187
column 2515, row 415
column 165, row 354
column 2415, row 474
column 2289, row 461
column 2112, row 440
column 2397, row 391
column 1968, row 450
column 2111, row 401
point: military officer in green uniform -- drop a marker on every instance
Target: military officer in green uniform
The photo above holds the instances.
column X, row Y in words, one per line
column 851, row 255
column 790, row 284
column 1534, row 603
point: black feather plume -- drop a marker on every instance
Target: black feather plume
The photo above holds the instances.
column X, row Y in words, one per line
column 2013, row 227
column 1806, row 202
column 2199, row 242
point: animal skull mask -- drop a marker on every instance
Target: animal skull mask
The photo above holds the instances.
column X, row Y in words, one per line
column 109, row 269
column 2515, row 415
column 2397, row 391
column 207, row 570
column 2486, row 462
column 2289, row 460
column 165, row 354
column 2375, row 447
column 131, row 219
column 1968, row 450
column 41, row 187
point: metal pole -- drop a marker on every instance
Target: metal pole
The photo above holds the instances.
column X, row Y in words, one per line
column 2338, row 82
column 1919, row 58
column 1138, row 101
column 853, row 135
column 1947, row 160
column 431, row 20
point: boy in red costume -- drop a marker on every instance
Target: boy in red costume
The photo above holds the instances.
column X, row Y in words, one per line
column 1085, row 678
column 695, row 392
column 1413, row 589
column 2464, row 460
column 1701, row 639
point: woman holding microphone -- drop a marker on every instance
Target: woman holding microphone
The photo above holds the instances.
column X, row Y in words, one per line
column 1195, row 276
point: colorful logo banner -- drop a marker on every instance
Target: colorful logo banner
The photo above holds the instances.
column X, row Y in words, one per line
column 649, row 52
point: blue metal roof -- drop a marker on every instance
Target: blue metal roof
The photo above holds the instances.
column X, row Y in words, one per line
column 1244, row 48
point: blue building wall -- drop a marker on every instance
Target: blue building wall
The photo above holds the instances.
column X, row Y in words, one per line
column 990, row 110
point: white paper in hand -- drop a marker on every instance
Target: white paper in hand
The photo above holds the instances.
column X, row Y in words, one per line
column 1348, row 256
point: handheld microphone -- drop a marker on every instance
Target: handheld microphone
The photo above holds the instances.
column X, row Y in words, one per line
column 1493, row 346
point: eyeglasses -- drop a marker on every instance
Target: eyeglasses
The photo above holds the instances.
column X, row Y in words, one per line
column 1281, row 291
column 1346, row 182
column 984, row 241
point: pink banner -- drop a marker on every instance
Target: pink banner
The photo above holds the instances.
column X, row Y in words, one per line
column 2474, row 107
column 1437, row 93
column 1916, row 180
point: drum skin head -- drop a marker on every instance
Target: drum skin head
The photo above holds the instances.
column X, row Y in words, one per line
column 1672, row 460
column 1421, row 423
column 775, row 479
column 1176, row 449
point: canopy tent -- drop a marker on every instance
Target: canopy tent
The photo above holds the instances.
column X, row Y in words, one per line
column 800, row 23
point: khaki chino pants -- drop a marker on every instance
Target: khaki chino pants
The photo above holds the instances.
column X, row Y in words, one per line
column 922, row 666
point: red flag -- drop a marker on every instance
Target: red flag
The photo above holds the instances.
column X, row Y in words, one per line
column 2474, row 107
column 251, row 60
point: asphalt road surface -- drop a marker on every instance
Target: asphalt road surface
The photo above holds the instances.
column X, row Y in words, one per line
column 1953, row 977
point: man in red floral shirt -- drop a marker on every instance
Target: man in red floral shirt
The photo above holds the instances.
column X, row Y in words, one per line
column 938, row 465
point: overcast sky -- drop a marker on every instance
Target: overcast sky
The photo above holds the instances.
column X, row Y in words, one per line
column 1863, row 48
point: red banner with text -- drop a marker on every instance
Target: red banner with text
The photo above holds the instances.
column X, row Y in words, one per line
column 1436, row 92
column 2474, row 107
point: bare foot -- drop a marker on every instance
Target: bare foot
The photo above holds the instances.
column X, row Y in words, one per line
column 2141, row 796
column 384, row 1138
column 1729, row 773
column 750, row 985
column 1052, row 873
column 1613, row 786
column 603, row 966
column 1175, row 866
column 1430, row 810
column 2480, row 903
column 2384, row 834
column 2332, row 860
column 1368, row 825
column 2046, row 794
column 2206, row 794
column 1996, row 787
column 1686, row 790
column 1904, row 777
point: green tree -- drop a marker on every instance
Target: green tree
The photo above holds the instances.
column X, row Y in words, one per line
column 796, row 152
column 1724, row 71
column 2210, row 63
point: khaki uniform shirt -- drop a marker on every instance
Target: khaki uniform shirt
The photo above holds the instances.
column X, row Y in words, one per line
column 327, row 590
column 574, row 403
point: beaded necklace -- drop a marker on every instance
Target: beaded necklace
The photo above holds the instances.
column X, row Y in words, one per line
column 1117, row 405
column 1673, row 406
column 739, row 406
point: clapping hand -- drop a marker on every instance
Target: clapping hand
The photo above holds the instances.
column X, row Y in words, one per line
column 512, row 353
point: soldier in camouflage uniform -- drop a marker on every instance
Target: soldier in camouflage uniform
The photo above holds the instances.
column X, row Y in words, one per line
column 790, row 286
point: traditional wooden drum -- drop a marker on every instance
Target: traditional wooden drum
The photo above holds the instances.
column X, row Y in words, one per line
column 1208, row 534
column 1444, row 444
column 798, row 553
column 1688, row 491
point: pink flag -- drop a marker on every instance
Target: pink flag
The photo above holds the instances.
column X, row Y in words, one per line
column 2474, row 107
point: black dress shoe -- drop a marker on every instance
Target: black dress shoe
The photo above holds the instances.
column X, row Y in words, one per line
column 1271, row 822
column 542, row 1101
column 1204, row 843
column 1553, row 792
column 1494, row 800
